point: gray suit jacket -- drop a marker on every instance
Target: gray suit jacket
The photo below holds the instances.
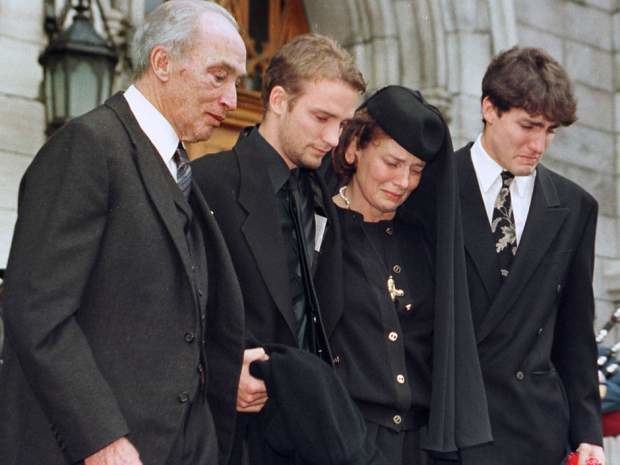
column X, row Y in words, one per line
column 100, row 304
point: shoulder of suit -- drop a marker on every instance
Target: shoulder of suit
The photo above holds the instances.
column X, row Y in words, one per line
column 464, row 150
column 84, row 139
column 216, row 173
column 462, row 155
column 215, row 163
column 568, row 189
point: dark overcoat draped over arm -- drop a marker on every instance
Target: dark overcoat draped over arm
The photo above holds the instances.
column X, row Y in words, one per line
column 458, row 409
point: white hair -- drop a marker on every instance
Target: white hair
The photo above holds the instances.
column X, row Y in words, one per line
column 172, row 24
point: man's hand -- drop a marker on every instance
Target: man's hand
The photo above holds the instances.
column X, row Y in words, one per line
column 252, row 394
column 590, row 454
column 120, row 452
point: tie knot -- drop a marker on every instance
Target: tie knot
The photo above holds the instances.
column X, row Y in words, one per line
column 507, row 178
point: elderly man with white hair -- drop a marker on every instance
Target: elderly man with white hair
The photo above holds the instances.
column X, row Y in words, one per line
column 123, row 314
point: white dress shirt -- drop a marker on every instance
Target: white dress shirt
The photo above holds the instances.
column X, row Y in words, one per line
column 157, row 128
column 488, row 173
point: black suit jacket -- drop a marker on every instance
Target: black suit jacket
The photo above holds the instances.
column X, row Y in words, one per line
column 535, row 331
column 238, row 188
column 100, row 308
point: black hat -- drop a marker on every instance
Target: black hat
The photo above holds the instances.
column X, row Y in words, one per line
column 406, row 118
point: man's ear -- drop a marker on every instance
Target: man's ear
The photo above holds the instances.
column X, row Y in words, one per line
column 489, row 111
column 161, row 63
column 278, row 100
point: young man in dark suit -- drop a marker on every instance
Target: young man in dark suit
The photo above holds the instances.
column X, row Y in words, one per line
column 124, row 338
column 276, row 213
column 529, row 239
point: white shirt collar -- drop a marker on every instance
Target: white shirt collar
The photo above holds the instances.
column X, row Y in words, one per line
column 488, row 171
column 157, row 128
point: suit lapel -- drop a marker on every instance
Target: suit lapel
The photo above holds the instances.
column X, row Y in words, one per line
column 476, row 229
column 153, row 178
column 261, row 228
column 544, row 220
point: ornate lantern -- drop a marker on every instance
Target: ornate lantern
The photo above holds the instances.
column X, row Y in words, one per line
column 78, row 68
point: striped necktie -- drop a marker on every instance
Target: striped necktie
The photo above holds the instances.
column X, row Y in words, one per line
column 184, row 170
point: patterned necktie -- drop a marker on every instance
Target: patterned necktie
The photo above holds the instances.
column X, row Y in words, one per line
column 503, row 226
column 184, row 170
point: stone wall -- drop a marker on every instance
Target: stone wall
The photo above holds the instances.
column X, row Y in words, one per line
column 22, row 119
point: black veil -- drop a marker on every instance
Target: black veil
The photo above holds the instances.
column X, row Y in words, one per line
column 458, row 410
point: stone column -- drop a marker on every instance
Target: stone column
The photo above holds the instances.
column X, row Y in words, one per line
column 22, row 117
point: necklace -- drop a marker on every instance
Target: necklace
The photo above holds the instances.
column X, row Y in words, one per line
column 342, row 194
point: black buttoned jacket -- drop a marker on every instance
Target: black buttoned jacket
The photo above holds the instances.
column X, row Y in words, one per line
column 534, row 332
column 458, row 415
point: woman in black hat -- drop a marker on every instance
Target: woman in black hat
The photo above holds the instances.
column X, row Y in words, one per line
column 400, row 332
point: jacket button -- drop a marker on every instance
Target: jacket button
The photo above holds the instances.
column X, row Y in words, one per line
column 540, row 331
column 520, row 375
column 400, row 379
column 183, row 397
column 397, row 419
column 389, row 231
column 189, row 337
column 396, row 268
column 393, row 336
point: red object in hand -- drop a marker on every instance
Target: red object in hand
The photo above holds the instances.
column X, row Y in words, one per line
column 573, row 459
